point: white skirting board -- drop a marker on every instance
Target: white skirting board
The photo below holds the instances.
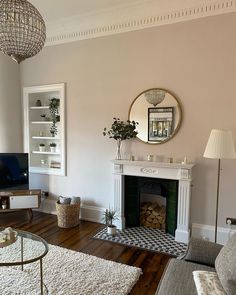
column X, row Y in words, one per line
column 95, row 214
column 207, row 232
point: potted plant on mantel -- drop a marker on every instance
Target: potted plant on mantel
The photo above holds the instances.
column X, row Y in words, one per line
column 121, row 130
column 109, row 217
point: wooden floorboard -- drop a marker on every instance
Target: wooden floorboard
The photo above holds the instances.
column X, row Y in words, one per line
column 81, row 239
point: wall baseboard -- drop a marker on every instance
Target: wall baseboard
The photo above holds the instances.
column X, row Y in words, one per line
column 88, row 213
column 95, row 214
column 207, row 232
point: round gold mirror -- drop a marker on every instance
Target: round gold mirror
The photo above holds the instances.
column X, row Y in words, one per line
column 159, row 115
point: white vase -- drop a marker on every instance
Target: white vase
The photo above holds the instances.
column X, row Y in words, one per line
column 53, row 149
column 111, row 230
column 42, row 148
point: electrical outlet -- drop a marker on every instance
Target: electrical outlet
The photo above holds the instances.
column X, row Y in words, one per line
column 231, row 221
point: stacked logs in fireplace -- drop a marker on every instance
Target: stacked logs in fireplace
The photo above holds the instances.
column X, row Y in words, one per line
column 153, row 215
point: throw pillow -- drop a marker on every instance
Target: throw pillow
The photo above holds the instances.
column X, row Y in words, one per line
column 207, row 283
column 226, row 266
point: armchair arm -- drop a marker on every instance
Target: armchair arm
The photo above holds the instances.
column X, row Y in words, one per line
column 202, row 251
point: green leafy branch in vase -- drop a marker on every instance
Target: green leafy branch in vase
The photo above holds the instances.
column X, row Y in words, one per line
column 121, row 130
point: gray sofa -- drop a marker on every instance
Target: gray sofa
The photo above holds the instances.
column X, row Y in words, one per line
column 201, row 255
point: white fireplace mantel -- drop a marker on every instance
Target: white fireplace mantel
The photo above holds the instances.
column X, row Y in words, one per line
column 175, row 171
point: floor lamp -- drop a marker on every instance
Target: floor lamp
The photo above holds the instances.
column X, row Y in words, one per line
column 220, row 145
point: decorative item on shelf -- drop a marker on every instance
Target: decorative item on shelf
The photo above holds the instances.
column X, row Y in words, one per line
column 42, row 147
column 43, row 163
column 41, row 133
column 155, row 96
column 7, row 237
column 220, row 145
column 53, row 147
column 43, row 117
column 22, row 29
column 38, row 103
column 54, row 111
column 109, row 216
column 121, row 131
column 55, row 164
column 4, row 204
column 68, row 212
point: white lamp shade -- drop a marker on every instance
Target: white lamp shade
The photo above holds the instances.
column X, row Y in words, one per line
column 220, row 145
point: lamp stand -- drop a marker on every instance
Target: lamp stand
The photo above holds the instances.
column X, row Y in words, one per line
column 217, row 199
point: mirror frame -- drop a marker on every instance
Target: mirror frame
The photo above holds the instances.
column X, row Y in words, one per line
column 180, row 115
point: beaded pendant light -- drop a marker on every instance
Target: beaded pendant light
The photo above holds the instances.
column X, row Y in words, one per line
column 155, row 96
column 22, row 29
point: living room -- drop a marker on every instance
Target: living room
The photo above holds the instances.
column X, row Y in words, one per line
column 106, row 54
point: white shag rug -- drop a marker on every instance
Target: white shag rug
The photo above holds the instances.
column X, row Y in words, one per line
column 67, row 272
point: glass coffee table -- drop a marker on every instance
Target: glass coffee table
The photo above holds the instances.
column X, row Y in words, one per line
column 28, row 248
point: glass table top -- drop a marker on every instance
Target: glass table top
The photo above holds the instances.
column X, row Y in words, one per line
column 27, row 249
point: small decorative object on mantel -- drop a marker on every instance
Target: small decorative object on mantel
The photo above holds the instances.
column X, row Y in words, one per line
column 109, row 217
column 7, row 237
column 120, row 131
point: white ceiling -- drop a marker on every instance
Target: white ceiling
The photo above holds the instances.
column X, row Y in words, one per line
column 54, row 10
column 72, row 20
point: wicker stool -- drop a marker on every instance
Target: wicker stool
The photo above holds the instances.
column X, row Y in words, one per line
column 67, row 215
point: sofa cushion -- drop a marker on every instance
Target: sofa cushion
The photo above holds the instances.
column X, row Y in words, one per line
column 202, row 251
column 178, row 278
column 226, row 266
column 207, row 282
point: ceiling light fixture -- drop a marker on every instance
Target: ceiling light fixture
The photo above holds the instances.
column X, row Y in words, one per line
column 22, row 29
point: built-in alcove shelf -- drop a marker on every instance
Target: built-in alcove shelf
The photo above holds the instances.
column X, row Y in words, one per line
column 46, row 137
column 41, row 122
column 46, row 153
column 39, row 128
column 161, row 170
column 39, row 108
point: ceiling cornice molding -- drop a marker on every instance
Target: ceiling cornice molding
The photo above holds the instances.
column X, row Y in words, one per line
column 109, row 22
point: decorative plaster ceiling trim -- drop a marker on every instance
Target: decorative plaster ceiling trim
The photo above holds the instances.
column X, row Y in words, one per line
column 95, row 29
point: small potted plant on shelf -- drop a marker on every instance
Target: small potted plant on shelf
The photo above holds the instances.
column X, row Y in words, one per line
column 43, row 117
column 53, row 146
column 109, row 216
column 42, row 147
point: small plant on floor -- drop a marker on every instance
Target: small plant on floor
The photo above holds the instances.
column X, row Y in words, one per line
column 109, row 216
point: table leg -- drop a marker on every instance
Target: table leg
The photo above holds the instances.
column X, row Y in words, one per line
column 41, row 275
column 22, row 253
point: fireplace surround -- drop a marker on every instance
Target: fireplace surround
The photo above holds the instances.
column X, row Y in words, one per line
column 157, row 170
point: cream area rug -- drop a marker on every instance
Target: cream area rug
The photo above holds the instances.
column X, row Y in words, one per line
column 67, row 272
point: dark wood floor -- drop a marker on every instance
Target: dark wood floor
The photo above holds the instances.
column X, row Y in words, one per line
column 80, row 239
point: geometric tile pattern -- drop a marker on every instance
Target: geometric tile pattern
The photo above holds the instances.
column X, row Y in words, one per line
column 145, row 238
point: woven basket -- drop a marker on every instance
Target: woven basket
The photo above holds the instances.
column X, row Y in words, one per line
column 67, row 215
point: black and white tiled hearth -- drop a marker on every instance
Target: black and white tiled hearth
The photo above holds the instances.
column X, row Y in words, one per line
column 145, row 238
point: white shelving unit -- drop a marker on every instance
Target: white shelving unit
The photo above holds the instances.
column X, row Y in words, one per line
column 37, row 130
